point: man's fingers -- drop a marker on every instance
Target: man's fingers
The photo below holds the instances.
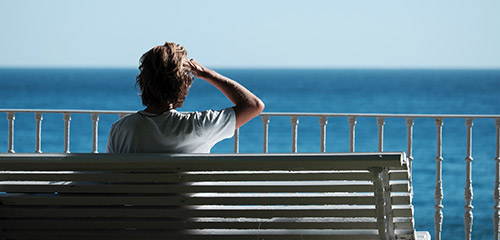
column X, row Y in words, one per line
column 195, row 65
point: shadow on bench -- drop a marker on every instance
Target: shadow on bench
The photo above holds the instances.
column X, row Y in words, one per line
column 215, row 196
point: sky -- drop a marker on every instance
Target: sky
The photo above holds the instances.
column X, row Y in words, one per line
column 253, row 34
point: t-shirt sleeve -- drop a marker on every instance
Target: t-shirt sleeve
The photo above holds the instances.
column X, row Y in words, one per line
column 111, row 140
column 218, row 125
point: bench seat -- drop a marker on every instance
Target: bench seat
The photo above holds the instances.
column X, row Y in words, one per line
column 206, row 196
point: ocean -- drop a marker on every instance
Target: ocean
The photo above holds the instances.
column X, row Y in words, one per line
column 297, row 90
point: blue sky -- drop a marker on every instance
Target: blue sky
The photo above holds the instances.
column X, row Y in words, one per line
column 253, row 34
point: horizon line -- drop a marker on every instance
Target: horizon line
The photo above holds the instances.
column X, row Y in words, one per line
column 274, row 67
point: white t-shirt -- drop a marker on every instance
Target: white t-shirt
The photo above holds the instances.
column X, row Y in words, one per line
column 171, row 132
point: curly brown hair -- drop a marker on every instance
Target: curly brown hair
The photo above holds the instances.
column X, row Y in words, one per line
column 162, row 78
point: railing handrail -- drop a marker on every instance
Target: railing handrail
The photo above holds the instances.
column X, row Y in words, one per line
column 65, row 111
column 387, row 115
column 271, row 114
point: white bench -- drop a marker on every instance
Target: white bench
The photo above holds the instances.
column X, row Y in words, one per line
column 208, row 196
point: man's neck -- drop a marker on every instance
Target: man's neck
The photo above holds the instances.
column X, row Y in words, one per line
column 159, row 109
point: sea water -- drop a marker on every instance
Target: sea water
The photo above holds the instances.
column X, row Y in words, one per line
column 297, row 90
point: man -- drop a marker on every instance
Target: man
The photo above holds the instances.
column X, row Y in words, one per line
column 164, row 81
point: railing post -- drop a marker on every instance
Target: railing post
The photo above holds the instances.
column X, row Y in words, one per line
column 236, row 146
column 11, row 117
column 496, row 190
column 438, row 194
column 409, row 148
column 265, row 123
column 352, row 125
column 322, row 123
column 38, row 140
column 67, row 119
column 294, row 121
column 468, row 215
column 95, row 120
column 380, row 124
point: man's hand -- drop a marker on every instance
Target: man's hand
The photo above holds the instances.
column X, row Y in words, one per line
column 247, row 105
column 197, row 69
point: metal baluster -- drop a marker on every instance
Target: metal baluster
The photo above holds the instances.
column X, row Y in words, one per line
column 496, row 190
column 322, row 123
column 236, row 146
column 352, row 125
column 380, row 124
column 295, row 121
column 38, row 140
column 438, row 194
column 265, row 122
column 11, row 117
column 468, row 216
column 95, row 120
column 67, row 119
column 409, row 148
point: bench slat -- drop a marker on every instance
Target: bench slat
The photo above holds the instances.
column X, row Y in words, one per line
column 197, row 162
column 149, row 224
column 118, row 177
column 70, row 187
column 216, row 211
column 198, row 235
column 214, row 223
column 203, row 211
column 209, row 199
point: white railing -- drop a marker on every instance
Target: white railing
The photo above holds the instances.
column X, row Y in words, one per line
column 67, row 119
column 323, row 121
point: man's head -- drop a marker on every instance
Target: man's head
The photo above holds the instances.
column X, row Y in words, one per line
column 163, row 79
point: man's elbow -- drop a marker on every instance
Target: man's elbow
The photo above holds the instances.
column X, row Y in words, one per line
column 245, row 112
column 259, row 106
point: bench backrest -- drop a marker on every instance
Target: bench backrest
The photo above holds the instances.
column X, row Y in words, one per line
column 208, row 196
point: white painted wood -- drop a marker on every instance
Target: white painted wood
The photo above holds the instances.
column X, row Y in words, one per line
column 200, row 234
column 67, row 119
column 294, row 120
column 380, row 124
column 212, row 196
column 10, row 118
column 294, row 223
column 380, row 202
column 352, row 135
column 468, row 194
column 273, row 114
column 117, row 177
column 409, row 148
column 265, row 123
column 247, row 187
column 197, row 162
column 222, row 211
column 389, row 218
column 208, row 199
column 438, row 193
column 38, row 136
column 236, row 138
column 323, row 121
column 95, row 132
column 399, row 175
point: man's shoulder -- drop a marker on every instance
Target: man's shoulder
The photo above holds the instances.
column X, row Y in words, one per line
column 126, row 119
column 213, row 112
